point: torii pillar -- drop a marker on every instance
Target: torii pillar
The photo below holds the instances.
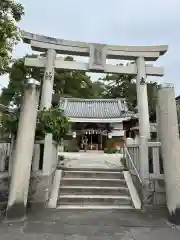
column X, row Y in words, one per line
column 46, row 103
column 23, row 153
column 170, row 144
column 48, row 80
column 143, row 115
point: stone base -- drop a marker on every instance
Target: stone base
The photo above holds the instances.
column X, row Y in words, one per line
column 4, row 188
column 155, row 194
column 35, row 207
column 174, row 217
column 4, row 193
column 16, row 212
column 39, row 188
column 39, row 193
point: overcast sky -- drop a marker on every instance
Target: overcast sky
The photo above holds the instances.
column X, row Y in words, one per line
column 122, row 22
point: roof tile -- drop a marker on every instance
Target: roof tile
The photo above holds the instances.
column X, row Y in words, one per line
column 94, row 108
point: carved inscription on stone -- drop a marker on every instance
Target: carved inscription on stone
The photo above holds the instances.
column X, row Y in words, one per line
column 48, row 76
column 142, row 81
column 97, row 57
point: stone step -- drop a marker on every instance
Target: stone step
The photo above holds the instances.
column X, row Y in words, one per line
column 93, row 190
column 93, row 182
column 93, row 169
column 94, row 207
column 93, row 174
column 94, row 200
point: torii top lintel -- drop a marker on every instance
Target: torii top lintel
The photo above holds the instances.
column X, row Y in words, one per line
column 42, row 43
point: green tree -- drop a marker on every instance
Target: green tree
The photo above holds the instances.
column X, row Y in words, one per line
column 66, row 83
column 121, row 86
column 48, row 121
column 18, row 75
column 10, row 13
column 124, row 86
column 52, row 121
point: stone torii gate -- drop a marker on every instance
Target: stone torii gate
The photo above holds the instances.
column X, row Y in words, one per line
column 98, row 53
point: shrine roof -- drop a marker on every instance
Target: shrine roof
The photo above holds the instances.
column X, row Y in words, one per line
column 97, row 109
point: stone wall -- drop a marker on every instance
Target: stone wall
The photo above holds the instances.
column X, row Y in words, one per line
column 41, row 181
column 156, row 192
column 4, row 190
column 40, row 190
column 4, row 194
column 40, row 185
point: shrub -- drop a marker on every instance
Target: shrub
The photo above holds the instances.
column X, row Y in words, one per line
column 110, row 150
column 52, row 121
column 48, row 121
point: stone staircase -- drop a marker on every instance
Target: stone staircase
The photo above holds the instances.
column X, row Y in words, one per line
column 93, row 189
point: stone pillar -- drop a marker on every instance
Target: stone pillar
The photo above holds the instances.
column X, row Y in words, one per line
column 143, row 114
column 47, row 159
column 36, row 157
column 46, row 101
column 22, row 156
column 48, row 80
column 44, row 182
column 170, row 145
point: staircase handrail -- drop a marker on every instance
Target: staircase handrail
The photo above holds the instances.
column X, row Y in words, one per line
column 132, row 162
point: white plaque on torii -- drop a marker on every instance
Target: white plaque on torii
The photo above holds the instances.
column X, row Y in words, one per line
column 97, row 58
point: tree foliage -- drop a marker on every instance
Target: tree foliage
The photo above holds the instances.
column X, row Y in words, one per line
column 9, row 122
column 48, row 121
column 124, row 86
column 76, row 84
column 66, row 83
column 10, row 13
column 18, row 75
column 52, row 121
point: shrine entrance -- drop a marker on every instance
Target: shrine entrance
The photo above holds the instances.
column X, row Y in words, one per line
column 98, row 54
column 94, row 140
column 95, row 135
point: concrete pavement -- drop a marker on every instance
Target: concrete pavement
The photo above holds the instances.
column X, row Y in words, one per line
column 91, row 159
column 95, row 225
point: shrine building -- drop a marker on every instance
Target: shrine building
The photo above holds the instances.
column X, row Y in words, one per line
column 98, row 120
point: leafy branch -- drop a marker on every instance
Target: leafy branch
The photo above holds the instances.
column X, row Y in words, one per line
column 48, row 121
column 10, row 14
column 52, row 121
